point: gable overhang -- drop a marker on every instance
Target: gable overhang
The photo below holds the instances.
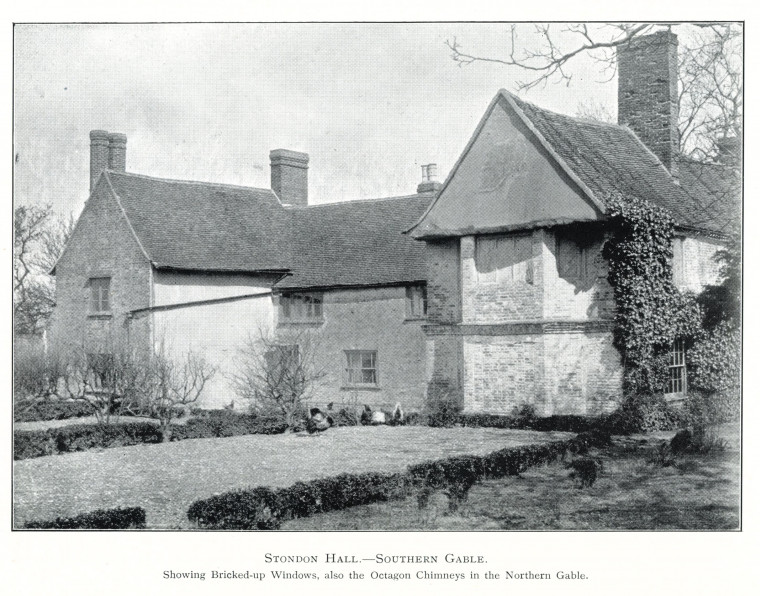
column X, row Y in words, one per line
column 505, row 99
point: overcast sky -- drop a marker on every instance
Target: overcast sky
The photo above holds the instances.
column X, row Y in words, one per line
column 370, row 103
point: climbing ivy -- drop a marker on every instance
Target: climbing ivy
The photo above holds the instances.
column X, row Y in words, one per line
column 650, row 311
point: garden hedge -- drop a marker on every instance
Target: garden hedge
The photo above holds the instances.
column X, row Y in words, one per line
column 35, row 411
column 103, row 519
column 263, row 508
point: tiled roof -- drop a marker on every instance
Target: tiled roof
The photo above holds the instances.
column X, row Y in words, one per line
column 215, row 227
column 603, row 160
column 202, row 226
column 357, row 243
column 717, row 189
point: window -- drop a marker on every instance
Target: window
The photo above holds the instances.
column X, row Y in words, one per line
column 416, row 302
column 301, row 307
column 500, row 259
column 677, row 368
column 100, row 289
column 362, row 367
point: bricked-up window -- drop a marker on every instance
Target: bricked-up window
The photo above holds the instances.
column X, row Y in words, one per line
column 361, row 367
column 679, row 277
column 100, row 294
column 416, row 302
column 301, row 307
column 677, row 368
column 101, row 367
column 500, row 259
column 575, row 259
column 282, row 360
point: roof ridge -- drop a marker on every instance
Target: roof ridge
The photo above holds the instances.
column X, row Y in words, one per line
column 355, row 201
column 568, row 116
column 190, row 182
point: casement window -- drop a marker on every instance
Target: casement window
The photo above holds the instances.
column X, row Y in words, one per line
column 504, row 259
column 301, row 307
column 100, row 294
column 677, row 368
column 679, row 276
column 361, row 369
column 574, row 260
column 416, row 302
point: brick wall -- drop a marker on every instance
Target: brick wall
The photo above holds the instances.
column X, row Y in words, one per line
column 367, row 319
column 443, row 281
column 696, row 262
column 102, row 246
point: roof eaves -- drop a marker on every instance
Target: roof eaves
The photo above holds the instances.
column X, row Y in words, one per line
column 547, row 146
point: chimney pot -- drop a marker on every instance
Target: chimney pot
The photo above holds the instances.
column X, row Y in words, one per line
column 289, row 176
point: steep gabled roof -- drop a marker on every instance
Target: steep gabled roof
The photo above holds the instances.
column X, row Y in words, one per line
column 199, row 226
column 717, row 189
column 601, row 160
column 356, row 243
column 203, row 226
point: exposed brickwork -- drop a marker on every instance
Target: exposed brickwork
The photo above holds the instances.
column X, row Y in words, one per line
column 368, row 319
column 648, row 93
column 289, row 176
column 443, row 281
column 699, row 267
column 101, row 246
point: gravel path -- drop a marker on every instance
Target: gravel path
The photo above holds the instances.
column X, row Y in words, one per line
column 165, row 479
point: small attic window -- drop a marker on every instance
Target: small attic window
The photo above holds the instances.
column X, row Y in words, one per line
column 301, row 307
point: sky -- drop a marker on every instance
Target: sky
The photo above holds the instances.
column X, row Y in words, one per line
column 369, row 103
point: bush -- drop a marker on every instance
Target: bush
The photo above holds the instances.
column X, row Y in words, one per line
column 227, row 423
column 81, row 437
column 263, row 508
column 49, row 409
column 103, row 519
column 642, row 413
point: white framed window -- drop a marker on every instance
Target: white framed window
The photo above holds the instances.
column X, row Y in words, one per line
column 416, row 302
column 361, row 368
column 301, row 307
column 100, row 294
column 504, row 259
column 677, row 368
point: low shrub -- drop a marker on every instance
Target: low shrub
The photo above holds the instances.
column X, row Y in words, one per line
column 642, row 414
column 707, row 408
column 263, row 508
column 49, row 409
column 226, row 423
column 81, row 437
column 123, row 518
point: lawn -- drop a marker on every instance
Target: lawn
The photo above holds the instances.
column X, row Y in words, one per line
column 633, row 493
column 165, row 479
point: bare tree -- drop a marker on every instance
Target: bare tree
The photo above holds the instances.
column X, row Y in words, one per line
column 38, row 240
column 108, row 382
column 710, row 69
column 278, row 378
column 173, row 384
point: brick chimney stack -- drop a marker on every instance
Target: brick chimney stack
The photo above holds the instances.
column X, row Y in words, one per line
column 290, row 176
column 108, row 151
column 648, row 93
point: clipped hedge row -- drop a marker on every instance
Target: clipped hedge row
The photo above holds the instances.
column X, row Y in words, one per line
column 36, row 411
column 122, row 518
column 567, row 423
column 81, row 437
column 225, row 423
column 263, row 508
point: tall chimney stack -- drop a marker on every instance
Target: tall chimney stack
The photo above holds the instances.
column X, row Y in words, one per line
column 648, row 93
column 98, row 154
column 429, row 184
column 289, row 175
column 117, row 152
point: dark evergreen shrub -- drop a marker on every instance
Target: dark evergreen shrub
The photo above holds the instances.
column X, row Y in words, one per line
column 123, row 518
